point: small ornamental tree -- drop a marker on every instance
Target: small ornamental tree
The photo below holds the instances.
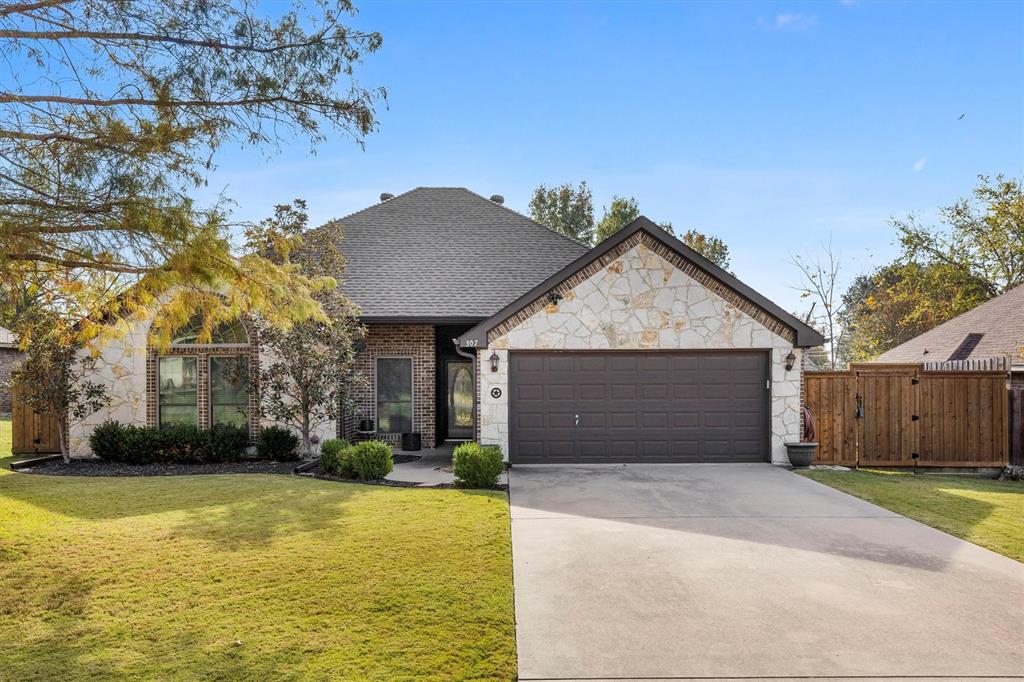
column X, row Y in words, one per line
column 55, row 376
column 305, row 371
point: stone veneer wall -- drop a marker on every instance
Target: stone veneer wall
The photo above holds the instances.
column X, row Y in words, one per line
column 638, row 298
column 401, row 340
column 127, row 366
column 121, row 366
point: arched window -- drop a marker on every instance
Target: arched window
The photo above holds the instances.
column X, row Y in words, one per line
column 205, row 383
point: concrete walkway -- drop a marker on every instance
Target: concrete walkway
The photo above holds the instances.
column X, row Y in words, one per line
column 434, row 467
column 746, row 571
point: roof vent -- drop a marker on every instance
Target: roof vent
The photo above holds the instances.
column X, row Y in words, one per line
column 385, row 196
column 498, row 199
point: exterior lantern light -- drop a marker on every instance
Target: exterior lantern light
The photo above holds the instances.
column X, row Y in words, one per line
column 494, row 362
column 790, row 361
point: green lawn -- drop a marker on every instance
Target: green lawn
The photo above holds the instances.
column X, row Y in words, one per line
column 5, row 437
column 986, row 512
column 251, row 577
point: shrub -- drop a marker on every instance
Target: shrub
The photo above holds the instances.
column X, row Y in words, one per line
column 185, row 443
column 370, row 460
column 334, row 458
column 477, row 466
column 227, row 443
column 107, row 441
column 142, row 445
column 277, row 443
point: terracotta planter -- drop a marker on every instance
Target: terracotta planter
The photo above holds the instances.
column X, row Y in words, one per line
column 801, row 454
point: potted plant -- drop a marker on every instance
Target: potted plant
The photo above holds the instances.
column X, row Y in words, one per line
column 802, row 454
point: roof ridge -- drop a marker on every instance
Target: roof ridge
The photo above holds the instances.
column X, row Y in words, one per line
column 371, row 207
column 521, row 215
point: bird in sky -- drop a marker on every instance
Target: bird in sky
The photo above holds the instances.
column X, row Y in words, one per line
column 961, row 117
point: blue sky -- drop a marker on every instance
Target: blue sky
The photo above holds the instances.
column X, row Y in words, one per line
column 773, row 125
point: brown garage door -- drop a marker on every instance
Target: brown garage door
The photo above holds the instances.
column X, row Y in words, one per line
column 642, row 406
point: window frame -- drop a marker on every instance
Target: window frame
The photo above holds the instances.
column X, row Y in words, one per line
column 412, row 392
column 160, row 403
column 210, row 357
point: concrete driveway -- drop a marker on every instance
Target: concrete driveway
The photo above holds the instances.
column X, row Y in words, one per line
column 745, row 571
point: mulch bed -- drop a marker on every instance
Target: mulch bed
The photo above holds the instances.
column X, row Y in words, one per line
column 97, row 467
column 316, row 473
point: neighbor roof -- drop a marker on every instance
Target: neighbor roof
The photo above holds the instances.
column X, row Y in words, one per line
column 444, row 254
column 806, row 336
column 1000, row 322
column 7, row 338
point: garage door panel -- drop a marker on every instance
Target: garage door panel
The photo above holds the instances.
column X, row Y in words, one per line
column 641, row 406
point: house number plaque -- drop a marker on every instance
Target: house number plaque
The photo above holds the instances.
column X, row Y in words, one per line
column 495, row 392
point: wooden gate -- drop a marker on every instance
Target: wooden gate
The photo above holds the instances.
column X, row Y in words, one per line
column 32, row 432
column 904, row 415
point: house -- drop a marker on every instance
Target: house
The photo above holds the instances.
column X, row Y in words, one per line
column 9, row 356
column 483, row 324
column 993, row 330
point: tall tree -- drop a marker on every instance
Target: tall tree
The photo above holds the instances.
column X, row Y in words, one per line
column 899, row 301
column 981, row 236
column 565, row 209
column 112, row 112
column 819, row 282
column 620, row 213
column 709, row 246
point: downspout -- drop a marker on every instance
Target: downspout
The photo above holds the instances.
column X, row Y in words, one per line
column 476, row 386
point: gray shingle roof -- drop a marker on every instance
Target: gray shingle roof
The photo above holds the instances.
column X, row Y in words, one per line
column 445, row 253
column 1000, row 321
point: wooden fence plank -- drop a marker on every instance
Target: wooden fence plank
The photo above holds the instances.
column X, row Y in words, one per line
column 963, row 416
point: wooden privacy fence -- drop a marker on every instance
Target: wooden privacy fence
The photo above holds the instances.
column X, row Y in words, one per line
column 1017, row 426
column 32, row 432
column 905, row 415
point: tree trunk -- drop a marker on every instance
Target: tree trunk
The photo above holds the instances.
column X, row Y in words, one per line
column 62, row 437
column 307, row 447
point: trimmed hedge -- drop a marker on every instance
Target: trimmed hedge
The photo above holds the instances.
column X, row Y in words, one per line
column 277, row 443
column 477, row 466
column 371, row 460
column 184, row 443
column 368, row 461
column 333, row 459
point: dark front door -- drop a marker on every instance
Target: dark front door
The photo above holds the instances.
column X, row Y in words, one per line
column 459, row 375
column 638, row 406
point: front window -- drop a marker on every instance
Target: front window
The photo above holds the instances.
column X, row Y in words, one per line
column 229, row 390
column 224, row 334
column 204, row 384
column 179, row 394
column 394, row 395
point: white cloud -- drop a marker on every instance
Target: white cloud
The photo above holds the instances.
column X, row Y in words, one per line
column 920, row 163
column 789, row 22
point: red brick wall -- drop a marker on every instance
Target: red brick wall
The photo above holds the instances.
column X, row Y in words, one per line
column 203, row 355
column 8, row 357
column 401, row 340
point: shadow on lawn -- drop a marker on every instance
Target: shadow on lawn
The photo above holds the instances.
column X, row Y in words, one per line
column 231, row 511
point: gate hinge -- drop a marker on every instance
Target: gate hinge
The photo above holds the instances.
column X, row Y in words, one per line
column 914, row 418
column 915, row 381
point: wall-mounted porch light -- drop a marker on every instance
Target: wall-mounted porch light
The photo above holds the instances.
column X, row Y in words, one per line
column 554, row 297
column 359, row 346
column 790, row 361
column 494, row 362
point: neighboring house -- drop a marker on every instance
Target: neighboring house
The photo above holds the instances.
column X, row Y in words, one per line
column 9, row 356
column 995, row 329
column 638, row 349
